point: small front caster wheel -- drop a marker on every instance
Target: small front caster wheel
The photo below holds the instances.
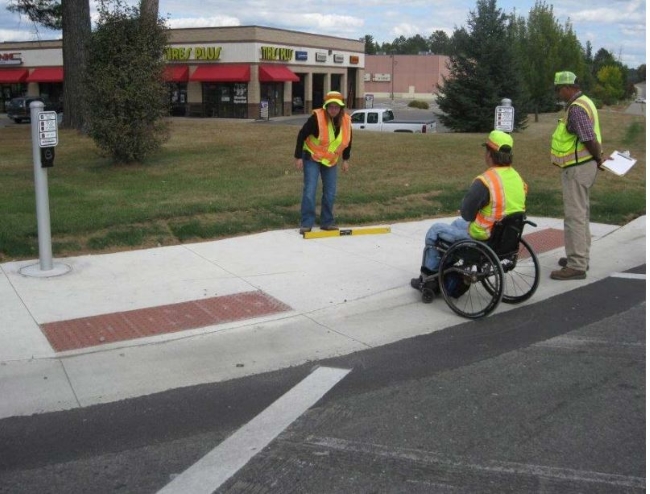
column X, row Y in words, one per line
column 427, row 295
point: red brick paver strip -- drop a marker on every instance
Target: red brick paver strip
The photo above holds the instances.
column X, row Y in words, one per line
column 120, row 326
column 545, row 240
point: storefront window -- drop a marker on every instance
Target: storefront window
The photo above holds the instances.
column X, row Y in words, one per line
column 273, row 92
column 225, row 100
column 52, row 92
column 177, row 99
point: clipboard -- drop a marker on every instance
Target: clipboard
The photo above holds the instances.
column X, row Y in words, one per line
column 619, row 163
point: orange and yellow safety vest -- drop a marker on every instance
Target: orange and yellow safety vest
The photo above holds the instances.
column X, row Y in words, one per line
column 507, row 195
column 328, row 148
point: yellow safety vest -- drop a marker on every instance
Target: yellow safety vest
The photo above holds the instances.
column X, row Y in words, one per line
column 566, row 148
column 507, row 195
column 326, row 148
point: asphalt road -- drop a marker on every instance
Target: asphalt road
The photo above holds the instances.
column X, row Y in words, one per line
column 549, row 397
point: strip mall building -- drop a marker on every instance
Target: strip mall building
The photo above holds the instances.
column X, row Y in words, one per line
column 227, row 72
column 243, row 72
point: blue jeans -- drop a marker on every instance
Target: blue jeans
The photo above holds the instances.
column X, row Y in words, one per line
column 311, row 170
column 451, row 233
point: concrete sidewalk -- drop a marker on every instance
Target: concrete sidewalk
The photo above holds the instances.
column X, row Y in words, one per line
column 123, row 325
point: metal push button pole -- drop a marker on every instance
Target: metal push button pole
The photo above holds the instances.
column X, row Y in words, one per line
column 44, row 135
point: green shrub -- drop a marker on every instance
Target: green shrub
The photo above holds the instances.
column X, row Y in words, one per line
column 423, row 105
column 126, row 91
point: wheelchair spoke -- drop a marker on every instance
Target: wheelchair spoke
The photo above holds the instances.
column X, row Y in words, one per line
column 522, row 279
column 471, row 279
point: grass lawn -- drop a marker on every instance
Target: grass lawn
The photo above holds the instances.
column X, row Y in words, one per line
column 217, row 178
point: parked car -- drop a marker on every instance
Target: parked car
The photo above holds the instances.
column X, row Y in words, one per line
column 383, row 120
column 640, row 100
column 18, row 108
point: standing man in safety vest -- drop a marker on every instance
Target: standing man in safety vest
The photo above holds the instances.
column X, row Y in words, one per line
column 325, row 138
column 497, row 192
column 576, row 149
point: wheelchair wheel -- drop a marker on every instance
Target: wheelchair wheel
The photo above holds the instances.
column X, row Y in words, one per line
column 427, row 295
column 471, row 280
column 520, row 275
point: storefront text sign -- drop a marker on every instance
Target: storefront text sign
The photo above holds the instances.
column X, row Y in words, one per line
column 198, row 53
column 381, row 77
column 11, row 59
column 273, row 53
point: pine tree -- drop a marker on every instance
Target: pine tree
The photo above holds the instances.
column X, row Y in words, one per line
column 483, row 71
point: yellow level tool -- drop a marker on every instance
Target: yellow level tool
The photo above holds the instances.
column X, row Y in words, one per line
column 347, row 231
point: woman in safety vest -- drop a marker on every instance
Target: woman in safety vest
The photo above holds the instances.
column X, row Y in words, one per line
column 495, row 193
column 325, row 138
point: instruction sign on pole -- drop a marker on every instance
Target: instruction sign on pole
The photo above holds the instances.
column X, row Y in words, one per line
column 504, row 118
column 48, row 133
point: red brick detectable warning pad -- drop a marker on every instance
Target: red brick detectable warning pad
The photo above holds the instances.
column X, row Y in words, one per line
column 120, row 326
column 545, row 240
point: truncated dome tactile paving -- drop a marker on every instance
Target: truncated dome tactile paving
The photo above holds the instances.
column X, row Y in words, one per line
column 85, row 332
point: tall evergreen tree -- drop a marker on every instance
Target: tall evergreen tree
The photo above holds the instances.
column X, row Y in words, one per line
column 483, row 71
column 439, row 43
column 370, row 45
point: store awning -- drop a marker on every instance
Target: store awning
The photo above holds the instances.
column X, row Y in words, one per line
column 46, row 74
column 222, row 73
column 277, row 73
column 13, row 76
column 176, row 73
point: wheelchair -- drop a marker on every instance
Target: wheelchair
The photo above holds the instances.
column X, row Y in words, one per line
column 475, row 276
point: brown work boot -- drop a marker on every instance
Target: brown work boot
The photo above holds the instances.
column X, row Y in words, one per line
column 563, row 261
column 568, row 274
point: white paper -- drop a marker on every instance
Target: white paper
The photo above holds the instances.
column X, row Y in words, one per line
column 619, row 163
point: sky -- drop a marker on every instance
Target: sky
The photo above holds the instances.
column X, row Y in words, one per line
column 619, row 26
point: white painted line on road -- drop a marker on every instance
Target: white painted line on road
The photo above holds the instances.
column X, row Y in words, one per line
column 225, row 460
column 629, row 276
column 458, row 463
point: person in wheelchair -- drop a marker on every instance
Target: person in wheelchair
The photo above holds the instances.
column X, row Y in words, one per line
column 497, row 192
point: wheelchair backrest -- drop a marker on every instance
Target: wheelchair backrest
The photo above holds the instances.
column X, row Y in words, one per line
column 506, row 234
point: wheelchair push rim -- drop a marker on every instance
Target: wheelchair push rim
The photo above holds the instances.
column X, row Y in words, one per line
column 520, row 275
column 480, row 270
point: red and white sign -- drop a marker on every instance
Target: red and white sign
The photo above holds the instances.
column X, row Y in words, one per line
column 11, row 59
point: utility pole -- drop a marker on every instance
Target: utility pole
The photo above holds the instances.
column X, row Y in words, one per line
column 392, row 76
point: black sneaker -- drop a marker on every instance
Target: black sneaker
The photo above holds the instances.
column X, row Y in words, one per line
column 416, row 283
